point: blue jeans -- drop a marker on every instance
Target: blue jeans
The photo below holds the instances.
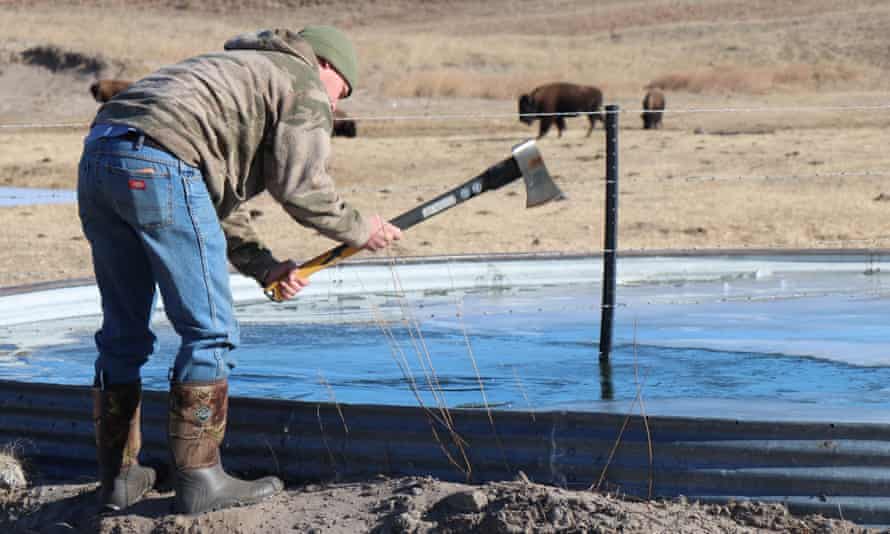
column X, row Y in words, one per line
column 151, row 225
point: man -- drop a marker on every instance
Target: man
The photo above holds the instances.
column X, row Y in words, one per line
column 165, row 173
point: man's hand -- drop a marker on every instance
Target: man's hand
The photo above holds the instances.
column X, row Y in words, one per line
column 382, row 234
column 289, row 284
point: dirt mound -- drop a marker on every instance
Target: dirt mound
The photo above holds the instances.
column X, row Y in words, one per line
column 406, row 505
column 522, row 506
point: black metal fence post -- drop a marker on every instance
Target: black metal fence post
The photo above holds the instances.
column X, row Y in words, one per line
column 610, row 244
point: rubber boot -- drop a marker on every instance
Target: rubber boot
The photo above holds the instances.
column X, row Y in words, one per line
column 198, row 413
column 116, row 413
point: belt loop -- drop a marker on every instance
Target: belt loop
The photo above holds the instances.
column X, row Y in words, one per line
column 185, row 169
column 139, row 142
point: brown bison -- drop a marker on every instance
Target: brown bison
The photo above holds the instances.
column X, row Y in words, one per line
column 104, row 90
column 343, row 125
column 653, row 105
column 564, row 99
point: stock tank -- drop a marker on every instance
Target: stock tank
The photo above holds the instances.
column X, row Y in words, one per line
column 732, row 375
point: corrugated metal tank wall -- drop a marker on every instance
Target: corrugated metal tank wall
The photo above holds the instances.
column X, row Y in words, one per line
column 832, row 469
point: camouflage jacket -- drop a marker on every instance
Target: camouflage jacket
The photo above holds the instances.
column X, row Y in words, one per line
column 253, row 117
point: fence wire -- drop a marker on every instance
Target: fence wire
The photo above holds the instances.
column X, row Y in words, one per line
column 588, row 178
column 508, row 115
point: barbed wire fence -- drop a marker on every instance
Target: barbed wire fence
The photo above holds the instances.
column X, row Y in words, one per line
column 688, row 177
column 505, row 115
column 624, row 113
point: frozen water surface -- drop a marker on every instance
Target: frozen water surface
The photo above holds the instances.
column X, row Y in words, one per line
column 812, row 339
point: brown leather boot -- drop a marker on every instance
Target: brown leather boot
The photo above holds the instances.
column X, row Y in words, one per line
column 116, row 411
column 197, row 425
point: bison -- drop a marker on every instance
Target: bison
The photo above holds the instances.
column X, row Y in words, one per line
column 564, row 99
column 653, row 105
column 343, row 125
column 104, row 90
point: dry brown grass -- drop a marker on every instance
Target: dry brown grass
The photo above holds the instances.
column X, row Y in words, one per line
column 437, row 106
column 500, row 49
column 456, row 82
column 757, row 80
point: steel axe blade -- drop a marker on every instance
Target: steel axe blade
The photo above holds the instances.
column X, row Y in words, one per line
column 539, row 186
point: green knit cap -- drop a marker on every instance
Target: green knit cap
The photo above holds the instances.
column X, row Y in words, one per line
column 333, row 45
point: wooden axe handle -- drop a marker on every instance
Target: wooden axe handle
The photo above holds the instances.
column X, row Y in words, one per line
column 494, row 177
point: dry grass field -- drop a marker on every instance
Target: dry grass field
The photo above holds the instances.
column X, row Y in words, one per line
column 774, row 136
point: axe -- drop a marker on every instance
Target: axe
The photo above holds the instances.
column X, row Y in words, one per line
column 525, row 162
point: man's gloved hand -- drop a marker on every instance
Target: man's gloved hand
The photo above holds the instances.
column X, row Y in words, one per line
column 289, row 284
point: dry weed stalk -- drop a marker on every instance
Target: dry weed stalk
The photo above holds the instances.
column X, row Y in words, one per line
column 423, row 355
column 324, row 437
column 521, row 387
column 644, row 416
column 494, row 429
column 444, row 417
column 637, row 398
column 274, row 456
column 424, row 359
column 333, row 398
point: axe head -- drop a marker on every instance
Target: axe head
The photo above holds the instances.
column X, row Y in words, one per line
column 539, row 186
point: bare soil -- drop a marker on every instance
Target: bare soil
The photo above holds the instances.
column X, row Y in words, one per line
column 408, row 505
column 775, row 138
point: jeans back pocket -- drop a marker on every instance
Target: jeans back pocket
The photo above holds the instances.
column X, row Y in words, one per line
column 141, row 191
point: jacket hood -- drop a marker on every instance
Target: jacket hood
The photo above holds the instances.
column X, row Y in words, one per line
column 274, row 40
